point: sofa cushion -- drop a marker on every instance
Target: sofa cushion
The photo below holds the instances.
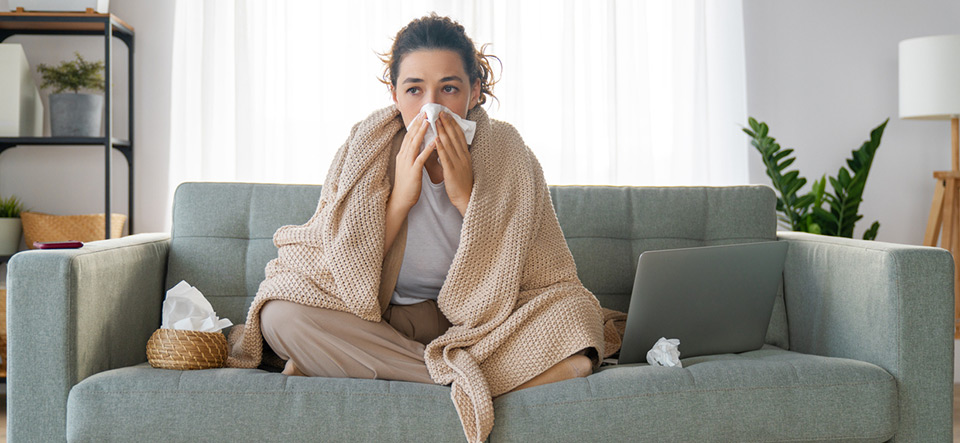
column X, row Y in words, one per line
column 222, row 237
column 764, row 395
column 255, row 405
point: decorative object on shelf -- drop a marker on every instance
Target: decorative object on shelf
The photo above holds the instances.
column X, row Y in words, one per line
column 21, row 109
column 930, row 90
column 100, row 6
column 10, row 224
column 74, row 114
column 805, row 213
column 111, row 28
column 39, row 227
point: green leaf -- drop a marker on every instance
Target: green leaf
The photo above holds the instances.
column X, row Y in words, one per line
column 855, row 188
column 853, row 164
column 785, row 183
column 10, row 207
column 73, row 75
column 780, row 155
column 837, row 187
column 786, row 163
column 843, row 177
column 818, row 187
column 824, row 215
column 871, row 234
column 794, row 187
column 805, row 201
column 790, row 176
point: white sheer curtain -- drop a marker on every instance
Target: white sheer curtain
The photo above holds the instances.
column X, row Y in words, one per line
column 632, row 92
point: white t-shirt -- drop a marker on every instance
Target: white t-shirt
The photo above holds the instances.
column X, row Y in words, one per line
column 433, row 234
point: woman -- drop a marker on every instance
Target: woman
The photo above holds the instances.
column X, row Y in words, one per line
column 445, row 265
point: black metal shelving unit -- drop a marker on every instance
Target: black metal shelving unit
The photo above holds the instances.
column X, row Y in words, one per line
column 73, row 24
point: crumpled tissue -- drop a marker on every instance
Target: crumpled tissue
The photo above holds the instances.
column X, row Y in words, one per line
column 185, row 308
column 665, row 352
column 433, row 113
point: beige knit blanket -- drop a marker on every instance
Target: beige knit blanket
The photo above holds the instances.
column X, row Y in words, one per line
column 512, row 293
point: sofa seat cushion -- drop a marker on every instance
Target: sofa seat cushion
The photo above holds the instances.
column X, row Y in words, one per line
column 255, row 405
column 764, row 395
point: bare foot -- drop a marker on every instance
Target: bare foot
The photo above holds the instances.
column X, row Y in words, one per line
column 292, row 369
column 574, row 366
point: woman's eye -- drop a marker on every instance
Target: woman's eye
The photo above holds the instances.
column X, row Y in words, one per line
column 413, row 90
column 450, row 89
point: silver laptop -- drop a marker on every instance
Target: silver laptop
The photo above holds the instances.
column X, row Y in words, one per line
column 715, row 299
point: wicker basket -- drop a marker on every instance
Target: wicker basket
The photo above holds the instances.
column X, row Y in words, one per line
column 177, row 349
column 42, row 227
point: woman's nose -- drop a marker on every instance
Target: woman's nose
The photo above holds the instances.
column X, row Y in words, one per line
column 430, row 96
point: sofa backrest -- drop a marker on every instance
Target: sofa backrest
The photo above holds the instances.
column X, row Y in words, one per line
column 222, row 235
column 607, row 228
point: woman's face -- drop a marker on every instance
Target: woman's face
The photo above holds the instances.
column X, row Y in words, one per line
column 433, row 76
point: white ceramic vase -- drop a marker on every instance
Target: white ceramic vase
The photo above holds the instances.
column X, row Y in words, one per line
column 10, row 228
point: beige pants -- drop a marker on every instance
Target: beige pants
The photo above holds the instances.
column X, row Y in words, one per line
column 327, row 343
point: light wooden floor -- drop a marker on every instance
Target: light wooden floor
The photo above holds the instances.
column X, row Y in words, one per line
column 956, row 416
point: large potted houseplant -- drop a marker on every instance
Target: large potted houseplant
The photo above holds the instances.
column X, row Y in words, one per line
column 10, row 225
column 74, row 114
column 806, row 212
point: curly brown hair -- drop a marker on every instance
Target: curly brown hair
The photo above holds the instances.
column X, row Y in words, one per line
column 435, row 32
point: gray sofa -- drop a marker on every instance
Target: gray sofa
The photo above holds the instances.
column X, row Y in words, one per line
column 860, row 346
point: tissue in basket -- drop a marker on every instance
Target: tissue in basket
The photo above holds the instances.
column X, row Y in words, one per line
column 197, row 342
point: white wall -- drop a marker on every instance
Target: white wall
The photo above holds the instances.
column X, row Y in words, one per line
column 70, row 180
column 823, row 73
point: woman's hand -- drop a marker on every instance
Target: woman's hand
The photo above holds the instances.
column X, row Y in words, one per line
column 451, row 147
column 409, row 171
column 406, row 182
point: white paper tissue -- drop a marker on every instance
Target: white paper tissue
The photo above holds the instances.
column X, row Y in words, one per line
column 665, row 353
column 433, row 112
column 187, row 309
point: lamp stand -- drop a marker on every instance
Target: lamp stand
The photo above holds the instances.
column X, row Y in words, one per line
column 945, row 213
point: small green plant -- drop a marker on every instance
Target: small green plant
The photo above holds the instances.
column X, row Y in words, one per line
column 10, row 207
column 805, row 212
column 73, row 75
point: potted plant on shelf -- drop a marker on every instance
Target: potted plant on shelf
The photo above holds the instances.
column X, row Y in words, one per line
column 74, row 114
column 10, row 225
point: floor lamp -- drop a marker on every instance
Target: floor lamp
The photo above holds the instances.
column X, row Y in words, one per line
column 930, row 90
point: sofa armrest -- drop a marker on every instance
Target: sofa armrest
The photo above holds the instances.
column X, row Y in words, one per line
column 886, row 304
column 72, row 313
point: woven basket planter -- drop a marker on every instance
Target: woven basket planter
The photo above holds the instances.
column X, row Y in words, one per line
column 42, row 227
column 183, row 350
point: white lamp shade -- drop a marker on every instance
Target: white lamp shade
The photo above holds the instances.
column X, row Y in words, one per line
column 930, row 77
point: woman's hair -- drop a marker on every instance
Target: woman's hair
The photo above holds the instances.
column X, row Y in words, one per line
column 435, row 32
